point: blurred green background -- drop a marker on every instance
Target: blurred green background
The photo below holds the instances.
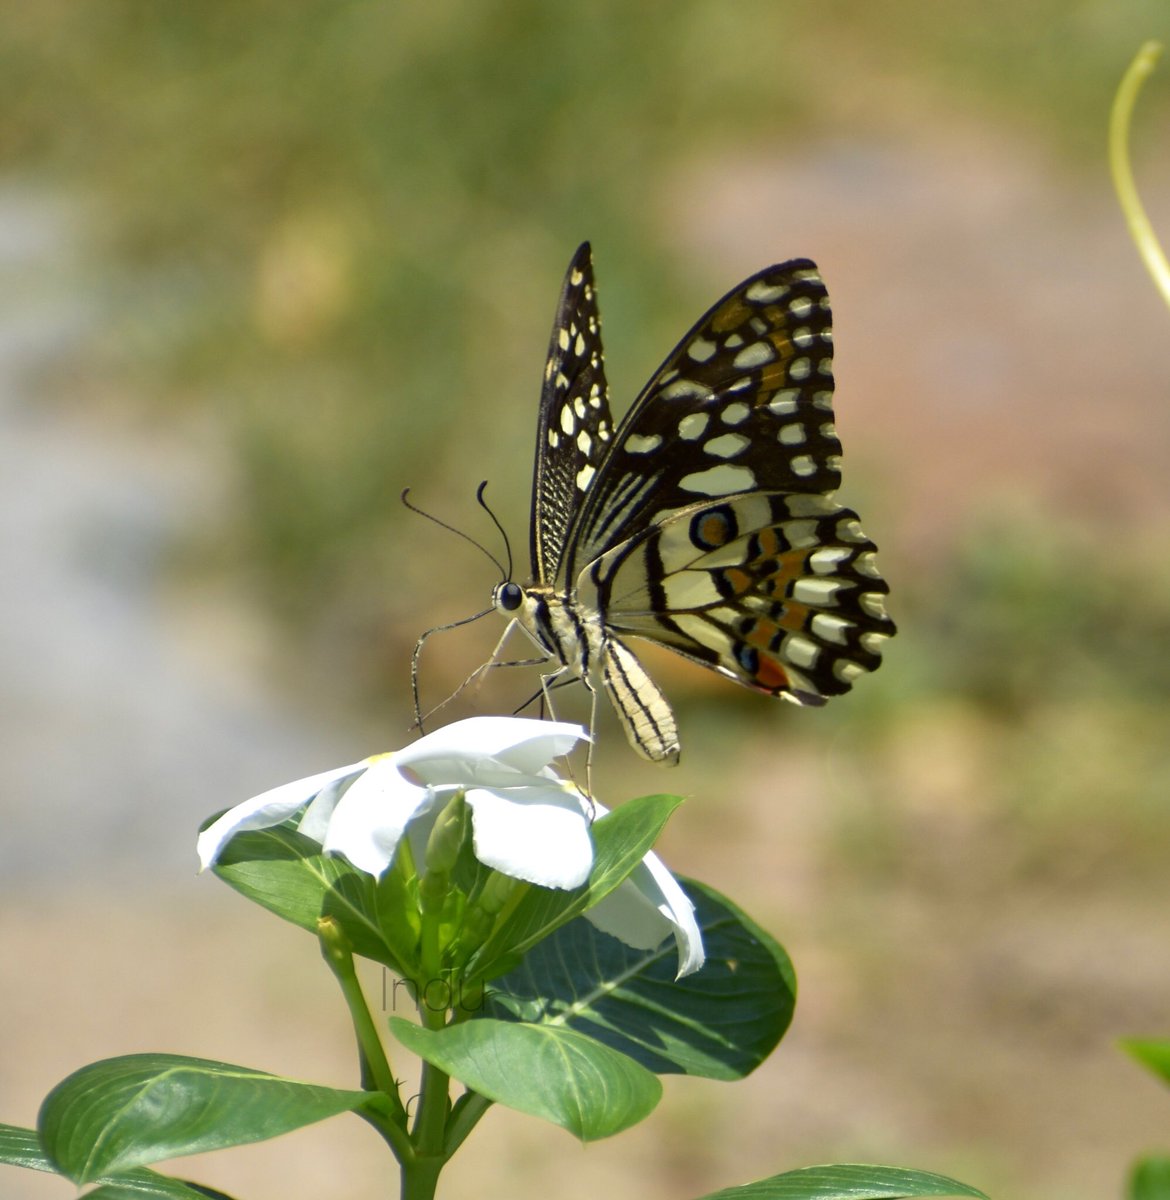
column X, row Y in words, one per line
column 293, row 258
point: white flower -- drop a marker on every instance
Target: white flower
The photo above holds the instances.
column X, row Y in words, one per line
column 527, row 822
column 646, row 907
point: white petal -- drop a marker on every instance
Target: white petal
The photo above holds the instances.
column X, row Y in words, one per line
column 539, row 834
column 371, row 816
column 269, row 808
column 489, row 751
column 645, row 908
column 315, row 820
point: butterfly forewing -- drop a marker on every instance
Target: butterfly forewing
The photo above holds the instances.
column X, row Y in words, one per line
column 574, row 428
column 744, row 403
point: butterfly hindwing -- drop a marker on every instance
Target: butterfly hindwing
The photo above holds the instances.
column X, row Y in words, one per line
column 779, row 592
column 575, row 427
column 743, row 403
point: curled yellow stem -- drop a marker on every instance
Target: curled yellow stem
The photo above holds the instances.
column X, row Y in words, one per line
column 1140, row 228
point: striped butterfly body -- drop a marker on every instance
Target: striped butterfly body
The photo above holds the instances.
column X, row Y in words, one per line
column 706, row 520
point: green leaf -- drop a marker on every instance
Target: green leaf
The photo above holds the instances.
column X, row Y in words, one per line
column 1153, row 1053
column 720, row 1023
column 142, row 1108
column 143, row 1184
column 22, row 1148
column 544, row 1071
column 287, row 873
column 1150, row 1179
column 848, row 1181
column 621, row 840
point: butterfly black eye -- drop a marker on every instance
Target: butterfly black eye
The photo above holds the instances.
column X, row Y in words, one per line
column 509, row 596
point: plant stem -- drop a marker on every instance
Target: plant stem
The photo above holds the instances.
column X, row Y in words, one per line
column 375, row 1067
column 1140, row 228
column 420, row 1177
column 464, row 1118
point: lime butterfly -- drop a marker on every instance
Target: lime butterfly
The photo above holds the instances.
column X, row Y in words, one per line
column 706, row 520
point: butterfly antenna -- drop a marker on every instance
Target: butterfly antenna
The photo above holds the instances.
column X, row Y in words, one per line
column 422, row 512
column 496, row 522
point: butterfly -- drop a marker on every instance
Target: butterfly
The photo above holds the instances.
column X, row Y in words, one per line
column 705, row 521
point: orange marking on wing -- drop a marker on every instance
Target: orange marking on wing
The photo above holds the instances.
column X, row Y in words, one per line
column 769, row 542
column 795, row 617
column 734, row 315
column 770, row 675
column 760, row 634
column 792, row 564
column 713, row 529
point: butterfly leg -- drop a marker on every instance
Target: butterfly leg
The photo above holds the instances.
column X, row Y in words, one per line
column 473, row 679
column 561, row 677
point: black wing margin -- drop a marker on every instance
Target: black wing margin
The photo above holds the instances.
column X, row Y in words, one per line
column 575, row 427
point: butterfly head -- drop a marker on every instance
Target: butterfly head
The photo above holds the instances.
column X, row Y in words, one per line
column 507, row 596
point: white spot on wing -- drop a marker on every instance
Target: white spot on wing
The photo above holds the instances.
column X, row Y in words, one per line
column 873, row 641
column 692, row 426
column 821, row 592
column 700, row 350
column 803, row 465
column 866, row 564
column 718, row 481
column 568, row 423
column 784, row 402
column 754, row 355
column 727, row 445
column 847, row 670
column 800, row 650
column 814, row 504
column 827, row 559
column 685, row 389
column 831, row 628
column 792, row 435
column 690, row 589
column 638, row 443
column 585, row 476
column 874, row 603
column 761, row 292
column 735, row 414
